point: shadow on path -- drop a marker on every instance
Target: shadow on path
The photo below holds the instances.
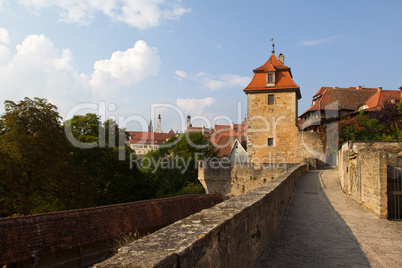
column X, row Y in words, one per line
column 312, row 233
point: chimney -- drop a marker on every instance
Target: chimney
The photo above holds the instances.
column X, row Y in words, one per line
column 232, row 125
column 379, row 88
column 400, row 88
column 359, row 87
column 203, row 130
column 281, row 58
column 336, row 88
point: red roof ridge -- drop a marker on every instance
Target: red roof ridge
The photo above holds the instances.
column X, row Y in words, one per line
column 45, row 234
column 275, row 63
column 271, row 68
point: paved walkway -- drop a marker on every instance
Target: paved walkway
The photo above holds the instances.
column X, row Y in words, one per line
column 322, row 227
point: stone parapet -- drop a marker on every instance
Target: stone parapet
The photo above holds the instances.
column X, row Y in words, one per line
column 233, row 233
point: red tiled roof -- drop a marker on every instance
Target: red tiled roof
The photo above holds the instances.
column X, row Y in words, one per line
column 207, row 131
column 345, row 98
column 236, row 127
column 148, row 137
column 39, row 235
column 271, row 68
column 273, row 60
column 224, row 136
column 378, row 99
column 283, row 77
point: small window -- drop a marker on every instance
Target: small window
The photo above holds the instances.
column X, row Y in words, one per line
column 270, row 141
column 271, row 99
column 270, row 78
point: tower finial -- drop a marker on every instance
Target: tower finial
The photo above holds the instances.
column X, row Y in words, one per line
column 273, row 46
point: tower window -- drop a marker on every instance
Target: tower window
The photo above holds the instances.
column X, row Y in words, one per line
column 271, row 99
column 270, row 78
column 270, row 141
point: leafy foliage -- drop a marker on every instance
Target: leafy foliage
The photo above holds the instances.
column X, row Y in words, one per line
column 115, row 181
column 387, row 115
column 384, row 124
column 42, row 171
column 173, row 169
column 359, row 127
column 36, row 173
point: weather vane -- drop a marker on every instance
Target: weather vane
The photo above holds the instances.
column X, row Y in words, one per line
column 273, row 46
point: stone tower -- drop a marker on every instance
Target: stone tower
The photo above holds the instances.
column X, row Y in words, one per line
column 188, row 123
column 272, row 133
column 158, row 128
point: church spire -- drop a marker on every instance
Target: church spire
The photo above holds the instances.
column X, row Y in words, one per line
column 150, row 127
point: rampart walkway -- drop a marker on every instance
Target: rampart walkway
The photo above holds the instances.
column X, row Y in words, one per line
column 323, row 227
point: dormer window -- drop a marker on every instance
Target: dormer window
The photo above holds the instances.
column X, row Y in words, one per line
column 270, row 79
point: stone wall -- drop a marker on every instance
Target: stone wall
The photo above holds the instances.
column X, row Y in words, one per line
column 233, row 179
column 279, row 122
column 233, row 233
column 215, row 177
column 363, row 172
column 39, row 238
column 245, row 179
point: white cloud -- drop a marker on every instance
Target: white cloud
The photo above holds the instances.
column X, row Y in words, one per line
column 2, row 5
column 4, row 38
column 194, row 106
column 137, row 13
column 181, row 74
column 125, row 68
column 38, row 69
column 316, row 42
column 5, row 54
column 223, row 82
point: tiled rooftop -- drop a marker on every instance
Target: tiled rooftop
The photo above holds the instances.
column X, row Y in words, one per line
column 351, row 98
column 141, row 137
column 283, row 77
column 224, row 136
column 26, row 237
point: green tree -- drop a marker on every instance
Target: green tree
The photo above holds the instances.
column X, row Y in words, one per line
column 173, row 169
column 359, row 127
column 98, row 151
column 114, row 136
column 388, row 115
column 35, row 165
column 84, row 129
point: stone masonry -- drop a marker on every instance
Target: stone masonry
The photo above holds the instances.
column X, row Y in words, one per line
column 233, row 233
column 363, row 172
column 279, row 122
column 273, row 135
column 233, row 179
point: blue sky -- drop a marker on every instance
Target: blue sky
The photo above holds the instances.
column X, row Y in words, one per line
column 133, row 59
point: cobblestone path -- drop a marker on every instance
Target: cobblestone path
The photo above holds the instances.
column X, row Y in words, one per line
column 323, row 227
